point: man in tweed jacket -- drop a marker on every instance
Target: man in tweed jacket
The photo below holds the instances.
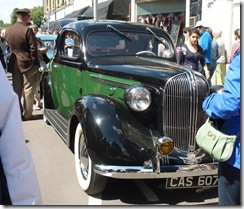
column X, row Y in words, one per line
column 23, row 63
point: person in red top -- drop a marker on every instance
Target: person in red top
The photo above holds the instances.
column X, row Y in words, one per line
column 236, row 46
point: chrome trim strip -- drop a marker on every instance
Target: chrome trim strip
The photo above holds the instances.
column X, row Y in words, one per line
column 109, row 82
column 140, row 172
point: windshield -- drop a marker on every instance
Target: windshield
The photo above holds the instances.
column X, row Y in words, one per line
column 128, row 43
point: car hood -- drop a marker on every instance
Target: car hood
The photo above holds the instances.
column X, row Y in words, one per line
column 138, row 68
column 50, row 54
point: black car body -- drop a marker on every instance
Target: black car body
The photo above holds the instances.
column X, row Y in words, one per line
column 122, row 104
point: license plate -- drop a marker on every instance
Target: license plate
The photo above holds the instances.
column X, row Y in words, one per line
column 192, row 182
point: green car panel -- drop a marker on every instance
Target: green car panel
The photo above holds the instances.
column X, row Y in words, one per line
column 83, row 83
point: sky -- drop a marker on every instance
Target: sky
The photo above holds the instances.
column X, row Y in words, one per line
column 7, row 7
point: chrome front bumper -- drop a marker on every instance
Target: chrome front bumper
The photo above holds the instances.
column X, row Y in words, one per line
column 140, row 172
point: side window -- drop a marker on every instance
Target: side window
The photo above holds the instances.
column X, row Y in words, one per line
column 71, row 50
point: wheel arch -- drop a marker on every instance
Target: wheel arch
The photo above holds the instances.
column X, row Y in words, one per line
column 114, row 129
column 45, row 90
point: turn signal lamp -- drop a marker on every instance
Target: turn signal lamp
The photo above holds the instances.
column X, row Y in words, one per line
column 165, row 145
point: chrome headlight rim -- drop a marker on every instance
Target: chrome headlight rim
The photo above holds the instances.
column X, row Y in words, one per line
column 138, row 98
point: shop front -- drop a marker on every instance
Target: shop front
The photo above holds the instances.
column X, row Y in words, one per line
column 169, row 15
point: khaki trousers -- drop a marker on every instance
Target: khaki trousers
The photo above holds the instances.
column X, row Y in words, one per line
column 17, row 82
column 31, row 79
column 219, row 74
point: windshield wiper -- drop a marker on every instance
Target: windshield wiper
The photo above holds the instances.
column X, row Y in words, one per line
column 155, row 36
column 118, row 32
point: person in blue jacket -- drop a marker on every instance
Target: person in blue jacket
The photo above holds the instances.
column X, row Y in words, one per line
column 225, row 106
column 205, row 42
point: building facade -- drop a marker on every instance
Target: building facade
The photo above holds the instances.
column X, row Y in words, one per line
column 57, row 9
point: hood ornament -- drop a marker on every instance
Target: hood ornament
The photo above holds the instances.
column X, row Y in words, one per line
column 191, row 157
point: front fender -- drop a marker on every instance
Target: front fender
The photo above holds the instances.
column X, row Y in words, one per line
column 113, row 135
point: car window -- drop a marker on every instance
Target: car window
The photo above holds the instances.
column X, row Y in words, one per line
column 110, row 43
column 70, row 50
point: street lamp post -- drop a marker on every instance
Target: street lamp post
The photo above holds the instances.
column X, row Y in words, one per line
column 47, row 15
column 55, row 10
column 94, row 5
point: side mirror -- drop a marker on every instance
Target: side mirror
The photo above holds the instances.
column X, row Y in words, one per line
column 69, row 42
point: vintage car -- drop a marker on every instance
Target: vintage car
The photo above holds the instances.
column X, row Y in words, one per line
column 49, row 40
column 117, row 97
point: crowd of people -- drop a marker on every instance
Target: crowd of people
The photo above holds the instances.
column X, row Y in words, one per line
column 203, row 50
column 209, row 44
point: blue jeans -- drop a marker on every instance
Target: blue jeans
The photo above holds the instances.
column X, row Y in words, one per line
column 229, row 185
column 212, row 69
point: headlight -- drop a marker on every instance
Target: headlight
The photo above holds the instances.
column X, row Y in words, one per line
column 165, row 145
column 138, row 98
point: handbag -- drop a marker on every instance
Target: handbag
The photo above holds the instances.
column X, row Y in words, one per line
column 11, row 62
column 215, row 143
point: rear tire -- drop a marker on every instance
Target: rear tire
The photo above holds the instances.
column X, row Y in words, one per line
column 91, row 182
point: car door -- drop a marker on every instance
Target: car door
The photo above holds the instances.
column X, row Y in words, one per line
column 67, row 73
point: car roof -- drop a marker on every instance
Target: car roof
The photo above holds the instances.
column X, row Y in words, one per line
column 47, row 36
column 91, row 24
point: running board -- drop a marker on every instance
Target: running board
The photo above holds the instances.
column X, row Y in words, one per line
column 58, row 122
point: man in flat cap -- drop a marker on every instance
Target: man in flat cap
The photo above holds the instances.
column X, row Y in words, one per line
column 23, row 11
column 23, row 62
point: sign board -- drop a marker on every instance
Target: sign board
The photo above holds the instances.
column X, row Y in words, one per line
column 175, row 29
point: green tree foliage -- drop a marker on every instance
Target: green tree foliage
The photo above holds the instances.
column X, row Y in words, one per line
column 37, row 15
column 13, row 16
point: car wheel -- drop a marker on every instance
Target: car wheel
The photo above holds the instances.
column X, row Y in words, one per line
column 91, row 182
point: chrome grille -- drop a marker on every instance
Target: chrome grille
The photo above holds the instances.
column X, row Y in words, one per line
column 182, row 108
